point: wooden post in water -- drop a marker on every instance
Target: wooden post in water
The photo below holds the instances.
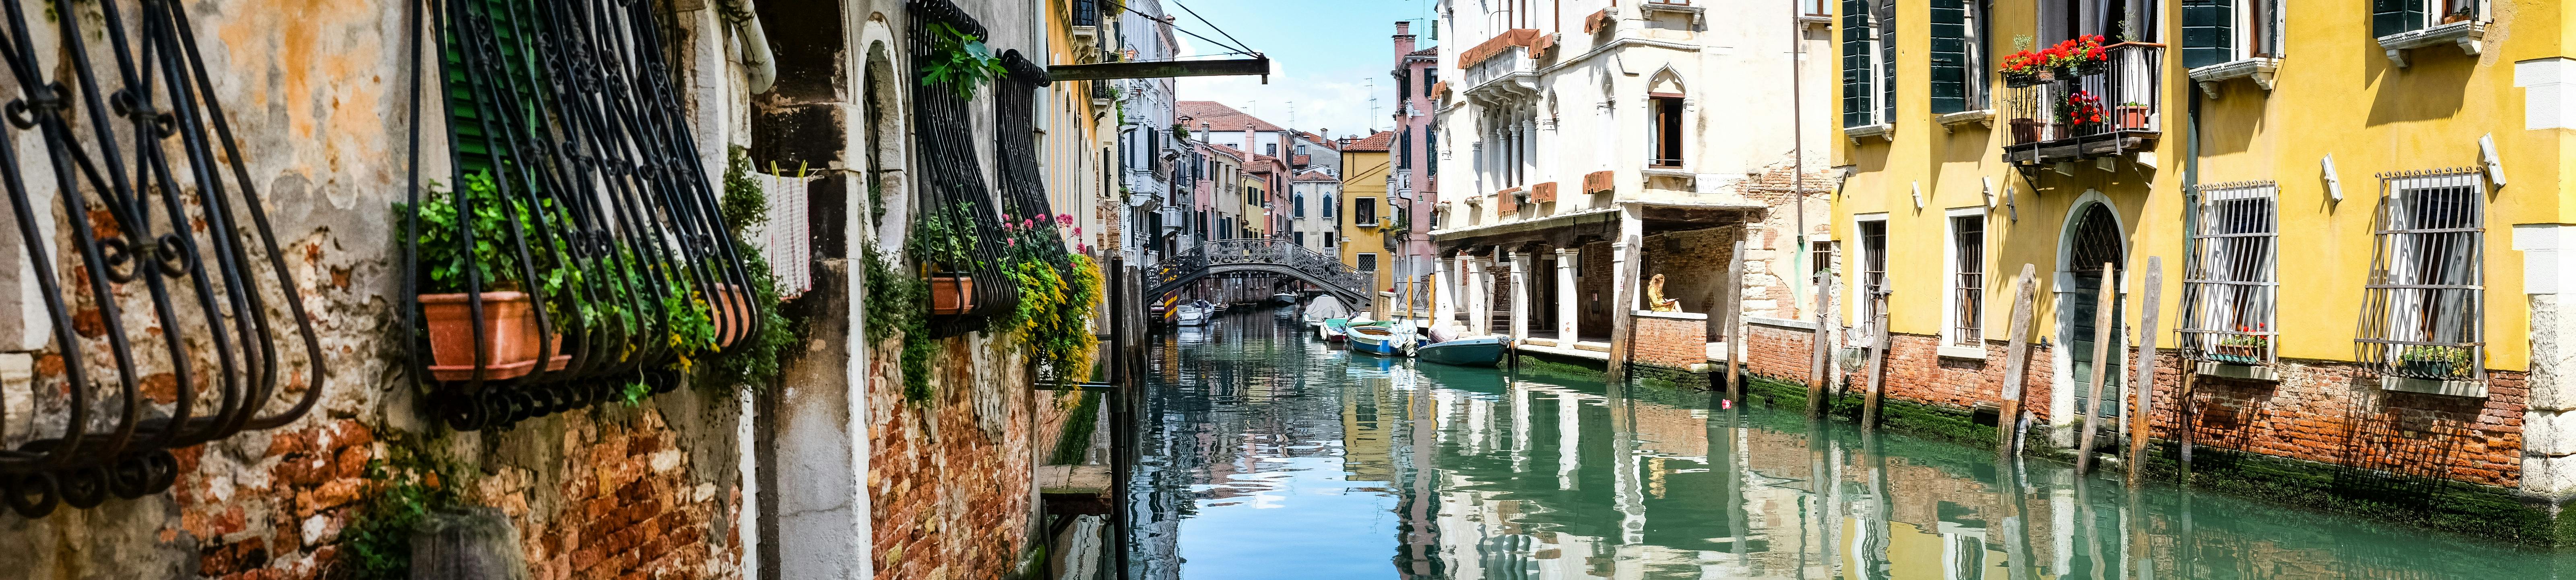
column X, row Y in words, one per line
column 1878, row 342
column 2144, row 386
column 1822, row 340
column 2186, row 415
column 1734, row 321
column 2102, row 306
column 2016, row 357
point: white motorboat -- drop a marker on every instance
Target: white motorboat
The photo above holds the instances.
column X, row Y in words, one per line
column 1193, row 314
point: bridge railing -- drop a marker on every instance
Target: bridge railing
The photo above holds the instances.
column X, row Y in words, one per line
column 1325, row 269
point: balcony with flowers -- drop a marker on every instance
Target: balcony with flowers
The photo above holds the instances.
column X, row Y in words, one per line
column 2081, row 99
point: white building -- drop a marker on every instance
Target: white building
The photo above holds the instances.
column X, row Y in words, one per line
column 1593, row 145
column 1313, row 195
column 1150, row 153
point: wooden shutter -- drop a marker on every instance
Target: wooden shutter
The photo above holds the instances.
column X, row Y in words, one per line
column 1886, row 60
column 1949, row 56
column 1857, row 73
column 2208, row 33
column 2394, row 16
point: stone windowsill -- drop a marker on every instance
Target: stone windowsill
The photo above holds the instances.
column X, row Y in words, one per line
column 1951, row 121
column 2466, row 34
column 1962, row 352
column 2235, row 371
column 2471, row 389
column 1881, row 130
column 2261, row 69
column 1672, row 315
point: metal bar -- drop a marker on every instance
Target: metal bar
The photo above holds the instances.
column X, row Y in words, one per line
column 1258, row 65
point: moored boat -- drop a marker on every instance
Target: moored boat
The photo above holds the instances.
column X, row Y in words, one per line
column 1391, row 340
column 1193, row 314
column 1482, row 351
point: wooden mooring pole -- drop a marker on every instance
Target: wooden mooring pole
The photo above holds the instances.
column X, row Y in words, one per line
column 1819, row 373
column 2103, row 305
column 2016, row 358
column 2144, row 386
column 1878, row 342
column 1734, row 321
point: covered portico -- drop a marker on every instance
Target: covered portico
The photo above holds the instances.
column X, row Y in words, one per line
column 1575, row 284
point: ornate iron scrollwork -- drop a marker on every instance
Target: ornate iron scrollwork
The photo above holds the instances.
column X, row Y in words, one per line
column 1262, row 254
column 566, row 129
column 169, row 334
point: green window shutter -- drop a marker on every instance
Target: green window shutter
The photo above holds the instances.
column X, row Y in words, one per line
column 2208, row 36
column 1949, row 56
column 2394, row 16
column 1886, row 61
column 1856, row 58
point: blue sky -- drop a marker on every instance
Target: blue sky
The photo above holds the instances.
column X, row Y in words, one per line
column 1330, row 56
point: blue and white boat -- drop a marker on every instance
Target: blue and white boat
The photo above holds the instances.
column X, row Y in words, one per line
column 1385, row 339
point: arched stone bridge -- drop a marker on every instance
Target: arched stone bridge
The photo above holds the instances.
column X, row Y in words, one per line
column 1262, row 255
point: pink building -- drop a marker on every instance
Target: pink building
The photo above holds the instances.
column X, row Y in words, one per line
column 1416, row 176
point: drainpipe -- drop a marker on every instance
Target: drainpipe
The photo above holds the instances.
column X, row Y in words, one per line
column 763, row 66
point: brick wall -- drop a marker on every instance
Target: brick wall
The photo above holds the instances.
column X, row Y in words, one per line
column 2326, row 411
column 951, row 479
column 1779, row 353
column 1669, row 342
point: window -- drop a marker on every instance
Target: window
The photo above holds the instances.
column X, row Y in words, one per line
column 1300, row 238
column 1870, row 288
column 1668, row 130
column 1959, row 36
column 1301, row 205
column 1367, row 263
column 1430, row 76
column 1364, row 211
column 1860, row 64
column 1821, row 253
column 2230, row 281
column 2221, row 31
column 1225, row 225
column 1270, row 149
column 1329, row 238
column 1404, row 148
column 1330, row 205
column 1431, row 162
column 2389, row 17
column 2420, row 318
column 1967, row 300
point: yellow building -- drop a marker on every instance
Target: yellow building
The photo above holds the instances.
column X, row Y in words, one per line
column 2344, row 206
column 1074, row 145
column 1365, row 166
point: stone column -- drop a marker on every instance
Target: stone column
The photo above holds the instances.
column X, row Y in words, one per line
column 2549, row 415
column 1569, row 262
column 1476, row 302
column 1520, row 295
column 1444, row 292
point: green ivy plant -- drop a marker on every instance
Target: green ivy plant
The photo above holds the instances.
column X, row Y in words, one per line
column 402, row 489
column 752, row 361
column 897, row 303
column 959, row 59
column 945, row 240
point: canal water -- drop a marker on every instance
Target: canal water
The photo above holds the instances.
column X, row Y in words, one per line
column 1269, row 454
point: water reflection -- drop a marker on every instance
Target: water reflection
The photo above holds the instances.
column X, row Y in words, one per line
column 1271, row 455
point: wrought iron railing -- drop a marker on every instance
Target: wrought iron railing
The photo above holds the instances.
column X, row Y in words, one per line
column 1283, row 254
column 578, row 255
column 215, row 296
column 2122, row 95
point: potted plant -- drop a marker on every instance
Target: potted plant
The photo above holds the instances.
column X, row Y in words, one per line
column 508, row 321
column 2132, row 115
column 2026, row 69
column 2079, row 56
column 2079, row 108
column 2241, row 349
column 2434, row 362
column 947, row 252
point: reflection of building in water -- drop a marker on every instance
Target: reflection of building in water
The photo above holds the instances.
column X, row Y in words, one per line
column 1370, row 414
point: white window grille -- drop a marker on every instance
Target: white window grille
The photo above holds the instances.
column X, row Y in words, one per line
column 2231, row 279
column 1967, row 278
column 1871, row 286
column 2423, row 315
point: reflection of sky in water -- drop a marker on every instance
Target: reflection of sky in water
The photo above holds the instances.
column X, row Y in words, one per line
column 1272, row 455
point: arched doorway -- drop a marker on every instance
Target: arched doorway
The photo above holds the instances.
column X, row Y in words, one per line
column 2093, row 239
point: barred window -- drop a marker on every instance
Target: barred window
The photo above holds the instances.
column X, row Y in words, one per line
column 2421, row 318
column 1367, row 263
column 1871, row 291
column 2231, row 279
column 1967, row 277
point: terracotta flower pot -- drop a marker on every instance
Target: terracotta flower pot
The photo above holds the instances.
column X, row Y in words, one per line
column 509, row 328
column 2131, row 116
column 2026, row 130
column 732, row 312
column 951, row 294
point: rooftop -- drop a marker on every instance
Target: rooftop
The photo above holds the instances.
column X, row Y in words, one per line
column 1219, row 117
column 1374, row 143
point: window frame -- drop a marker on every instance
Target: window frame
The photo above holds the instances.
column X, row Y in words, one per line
column 1963, row 304
column 1666, row 146
column 2411, row 281
column 2382, row 17
column 1364, row 207
column 1866, row 305
column 1975, row 73
column 1364, row 261
column 2219, row 259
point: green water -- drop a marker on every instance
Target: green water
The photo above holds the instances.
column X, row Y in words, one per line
column 1271, row 455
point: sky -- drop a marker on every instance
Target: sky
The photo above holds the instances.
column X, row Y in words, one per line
column 1329, row 57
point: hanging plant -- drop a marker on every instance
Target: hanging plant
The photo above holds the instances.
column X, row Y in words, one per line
column 1058, row 292
column 959, row 59
column 751, row 364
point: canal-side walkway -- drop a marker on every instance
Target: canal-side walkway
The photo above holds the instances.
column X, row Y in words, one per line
column 1269, row 454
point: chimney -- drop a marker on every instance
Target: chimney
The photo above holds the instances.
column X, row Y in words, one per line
column 1250, row 137
column 1203, row 131
column 1403, row 41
